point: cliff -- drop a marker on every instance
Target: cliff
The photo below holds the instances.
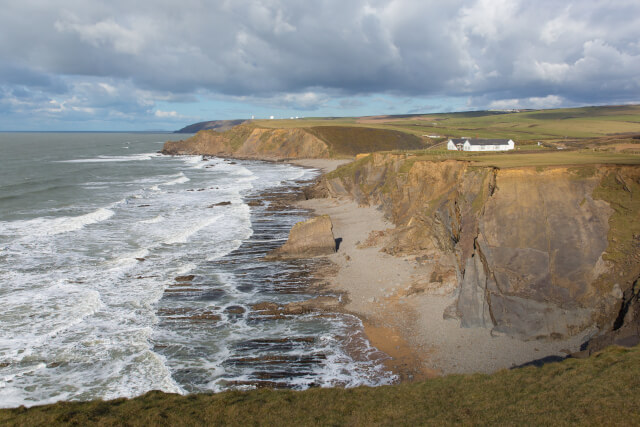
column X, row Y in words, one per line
column 544, row 252
column 252, row 142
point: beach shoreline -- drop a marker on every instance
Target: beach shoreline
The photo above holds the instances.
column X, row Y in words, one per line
column 408, row 322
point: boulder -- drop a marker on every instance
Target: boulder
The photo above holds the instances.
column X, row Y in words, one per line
column 313, row 237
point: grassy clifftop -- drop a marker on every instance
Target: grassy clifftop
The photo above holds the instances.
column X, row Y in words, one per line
column 614, row 128
column 604, row 389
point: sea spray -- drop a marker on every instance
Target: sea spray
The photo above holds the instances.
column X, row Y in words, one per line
column 87, row 268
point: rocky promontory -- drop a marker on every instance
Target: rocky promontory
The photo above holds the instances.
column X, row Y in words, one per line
column 250, row 141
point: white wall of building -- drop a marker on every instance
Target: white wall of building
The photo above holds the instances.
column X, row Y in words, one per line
column 468, row 147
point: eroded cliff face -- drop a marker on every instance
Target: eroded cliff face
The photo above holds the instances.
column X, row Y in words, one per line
column 533, row 250
column 249, row 142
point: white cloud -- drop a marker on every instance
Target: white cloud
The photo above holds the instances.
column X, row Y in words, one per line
column 167, row 114
column 549, row 101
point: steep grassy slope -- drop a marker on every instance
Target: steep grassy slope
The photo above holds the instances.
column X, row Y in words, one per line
column 348, row 140
column 601, row 390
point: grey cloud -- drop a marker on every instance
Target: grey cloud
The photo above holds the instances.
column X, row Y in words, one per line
column 283, row 50
column 351, row 103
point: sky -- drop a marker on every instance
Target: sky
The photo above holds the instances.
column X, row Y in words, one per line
column 163, row 64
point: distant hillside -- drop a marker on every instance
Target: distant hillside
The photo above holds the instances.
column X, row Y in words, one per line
column 217, row 125
column 253, row 142
column 565, row 124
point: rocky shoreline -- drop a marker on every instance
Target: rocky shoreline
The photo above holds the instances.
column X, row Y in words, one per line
column 401, row 300
column 409, row 298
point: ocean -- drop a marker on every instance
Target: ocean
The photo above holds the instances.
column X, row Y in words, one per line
column 123, row 270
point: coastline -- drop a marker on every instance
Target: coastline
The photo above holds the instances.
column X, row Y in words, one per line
column 408, row 324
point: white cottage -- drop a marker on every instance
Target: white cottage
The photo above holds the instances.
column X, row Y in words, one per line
column 469, row 144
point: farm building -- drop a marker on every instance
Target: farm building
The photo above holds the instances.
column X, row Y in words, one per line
column 469, row 144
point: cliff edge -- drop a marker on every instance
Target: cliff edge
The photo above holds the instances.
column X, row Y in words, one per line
column 537, row 253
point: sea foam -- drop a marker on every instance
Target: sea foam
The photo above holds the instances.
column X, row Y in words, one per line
column 46, row 226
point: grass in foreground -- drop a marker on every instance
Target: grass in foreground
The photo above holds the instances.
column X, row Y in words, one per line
column 603, row 389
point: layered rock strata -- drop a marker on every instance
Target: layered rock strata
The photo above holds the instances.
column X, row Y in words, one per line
column 533, row 249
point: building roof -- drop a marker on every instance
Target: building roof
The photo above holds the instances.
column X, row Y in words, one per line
column 480, row 141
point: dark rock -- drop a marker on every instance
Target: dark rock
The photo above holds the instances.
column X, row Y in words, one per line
column 188, row 278
column 625, row 330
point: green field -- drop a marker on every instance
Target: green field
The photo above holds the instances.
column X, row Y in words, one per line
column 542, row 158
column 558, row 124
column 601, row 390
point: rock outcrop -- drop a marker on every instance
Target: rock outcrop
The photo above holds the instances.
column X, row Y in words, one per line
column 313, row 237
column 538, row 252
column 317, row 304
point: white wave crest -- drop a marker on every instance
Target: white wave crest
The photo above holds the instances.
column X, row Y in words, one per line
column 52, row 226
column 107, row 159
column 182, row 178
column 184, row 234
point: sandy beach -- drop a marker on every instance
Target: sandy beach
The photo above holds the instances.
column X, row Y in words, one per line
column 407, row 324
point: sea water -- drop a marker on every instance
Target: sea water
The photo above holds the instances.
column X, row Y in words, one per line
column 94, row 230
